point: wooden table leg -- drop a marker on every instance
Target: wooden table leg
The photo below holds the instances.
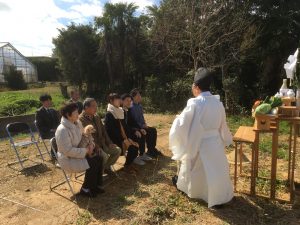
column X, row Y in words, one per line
column 255, row 162
column 252, row 185
column 290, row 151
column 256, row 153
column 235, row 165
column 241, row 157
column 296, row 131
column 274, row 162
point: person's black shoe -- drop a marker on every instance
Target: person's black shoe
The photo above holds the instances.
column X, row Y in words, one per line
column 152, row 154
column 174, row 180
column 218, row 206
column 99, row 190
column 89, row 194
column 157, row 152
column 109, row 172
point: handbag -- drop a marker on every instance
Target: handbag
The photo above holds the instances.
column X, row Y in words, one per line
column 127, row 142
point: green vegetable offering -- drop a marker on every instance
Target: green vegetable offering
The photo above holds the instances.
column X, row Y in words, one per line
column 264, row 108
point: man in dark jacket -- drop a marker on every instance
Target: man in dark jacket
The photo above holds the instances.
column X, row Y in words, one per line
column 150, row 133
column 47, row 119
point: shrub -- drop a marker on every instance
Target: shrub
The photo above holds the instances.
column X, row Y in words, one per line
column 19, row 107
column 167, row 95
column 15, row 79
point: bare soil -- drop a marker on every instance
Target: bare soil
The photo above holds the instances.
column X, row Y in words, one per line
column 148, row 198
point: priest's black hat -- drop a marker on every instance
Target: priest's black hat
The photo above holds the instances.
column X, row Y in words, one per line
column 203, row 78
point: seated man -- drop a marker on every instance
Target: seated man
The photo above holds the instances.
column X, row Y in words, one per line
column 149, row 132
column 134, row 130
column 47, row 119
column 75, row 98
column 109, row 151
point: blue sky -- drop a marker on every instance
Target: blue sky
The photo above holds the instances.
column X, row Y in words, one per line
column 30, row 25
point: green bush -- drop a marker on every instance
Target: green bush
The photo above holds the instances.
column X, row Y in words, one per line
column 14, row 79
column 27, row 101
column 169, row 94
column 19, row 107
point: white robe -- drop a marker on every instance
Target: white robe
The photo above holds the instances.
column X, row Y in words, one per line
column 198, row 138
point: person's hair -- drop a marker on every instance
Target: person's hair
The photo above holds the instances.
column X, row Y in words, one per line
column 68, row 109
column 87, row 102
column 45, row 97
column 124, row 96
column 134, row 92
column 205, row 83
column 112, row 97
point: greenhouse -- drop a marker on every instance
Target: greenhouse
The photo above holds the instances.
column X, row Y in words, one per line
column 11, row 56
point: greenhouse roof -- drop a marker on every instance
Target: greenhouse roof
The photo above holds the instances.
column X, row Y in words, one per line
column 3, row 44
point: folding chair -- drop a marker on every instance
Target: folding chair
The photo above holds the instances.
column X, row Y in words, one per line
column 41, row 139
column 67, row 178
column 13, row 129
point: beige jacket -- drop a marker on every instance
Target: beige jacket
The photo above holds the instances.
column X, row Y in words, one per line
column 70, row 157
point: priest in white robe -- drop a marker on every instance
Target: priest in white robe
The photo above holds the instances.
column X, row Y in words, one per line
column 197, row 139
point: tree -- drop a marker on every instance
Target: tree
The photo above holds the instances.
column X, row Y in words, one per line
column 190, row 34
column 46, row 68
column 76, row 49
column 14, row 78
column 119, row 30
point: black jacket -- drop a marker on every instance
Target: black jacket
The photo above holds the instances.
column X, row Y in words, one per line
column 130, row 121
column 47, row 121
column 113, row 129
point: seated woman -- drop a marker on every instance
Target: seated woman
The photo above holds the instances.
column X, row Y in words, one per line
column 73, row 159
column 118, row 131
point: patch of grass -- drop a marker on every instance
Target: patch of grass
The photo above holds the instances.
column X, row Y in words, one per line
column 235, row 121
column 159, row 126
column 27, row 101
column 84, row 218
column 263, row 185
column 265, row 145
column 282, row 153
column 122, row 200
column 284, row 127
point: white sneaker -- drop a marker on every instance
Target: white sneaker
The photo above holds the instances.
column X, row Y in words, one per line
column 145, row 157
column 138, row 161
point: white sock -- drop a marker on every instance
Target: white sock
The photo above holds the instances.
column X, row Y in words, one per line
column 85, row 189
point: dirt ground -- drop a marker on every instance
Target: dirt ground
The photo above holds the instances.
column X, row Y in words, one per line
column 148, row 198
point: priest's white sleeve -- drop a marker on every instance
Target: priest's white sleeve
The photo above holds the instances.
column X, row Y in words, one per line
column 180, row 131
column 224, row 130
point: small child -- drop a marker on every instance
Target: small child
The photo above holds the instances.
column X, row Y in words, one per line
column 87, row 138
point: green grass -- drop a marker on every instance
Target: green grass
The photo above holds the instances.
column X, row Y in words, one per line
column 265, row 146
column 84, row 218
column 235, row 121
column 27, row 101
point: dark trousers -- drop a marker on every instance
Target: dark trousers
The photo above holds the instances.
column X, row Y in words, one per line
column 142, row 143
column 132, row 153
column 93, row 175
column 151, row 138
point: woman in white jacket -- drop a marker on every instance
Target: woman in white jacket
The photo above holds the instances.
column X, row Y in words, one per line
column 73, row 159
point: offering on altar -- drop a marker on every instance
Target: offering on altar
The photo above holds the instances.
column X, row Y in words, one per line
column 265, row 111
column 268, row 106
